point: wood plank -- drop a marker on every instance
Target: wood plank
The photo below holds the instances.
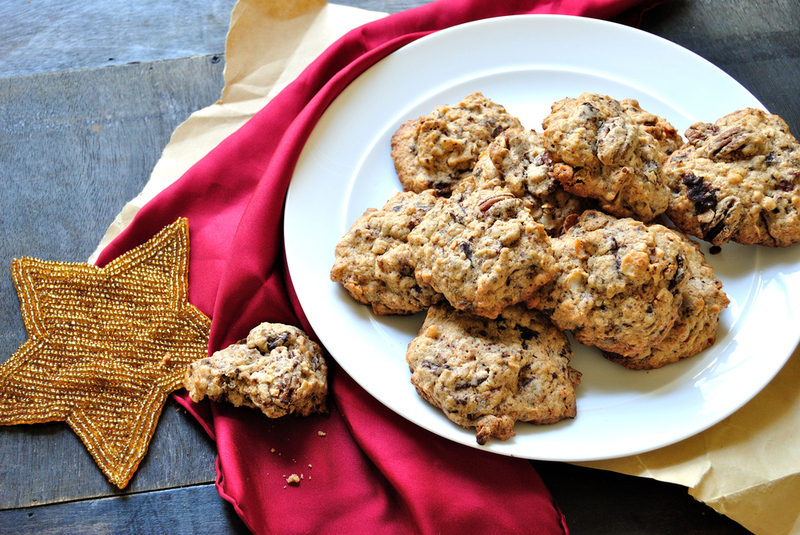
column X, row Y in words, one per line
column 384, row 6
column 47, row 463
column 83, row 143
column 197, row 509
column 53, row 35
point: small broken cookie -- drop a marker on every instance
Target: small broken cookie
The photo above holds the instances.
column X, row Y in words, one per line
column 612, row 158
column 437, row 150
column 482, row 250
column 738, row 180
column 277, row 369
column 489, row 374
column 373, row 262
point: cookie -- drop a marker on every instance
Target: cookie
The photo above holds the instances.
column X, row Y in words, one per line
column 482, row 251
column 373, row 260
column 518, row 161
column 489, row 374
column 695, row 328
column 737, row 180
column 665, row 135
column 619, row 283
column 611, row 158
column 437, row 150
column 277, row 369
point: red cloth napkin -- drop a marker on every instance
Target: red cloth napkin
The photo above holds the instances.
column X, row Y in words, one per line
column 363, row 468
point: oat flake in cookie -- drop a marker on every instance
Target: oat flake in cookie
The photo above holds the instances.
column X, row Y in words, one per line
column 695, row 329
column 612, row 159
column 737, row 180
column 437, row 150
column 518, row 161
column 277, row 369
column 482, row 251
column 619, row 283
column 488, row 374
column 373, row 260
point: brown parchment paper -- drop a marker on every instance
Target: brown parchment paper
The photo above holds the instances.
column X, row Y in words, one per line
column 746, row 467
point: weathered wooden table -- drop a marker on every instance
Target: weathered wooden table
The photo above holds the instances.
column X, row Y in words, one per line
column 89, row 95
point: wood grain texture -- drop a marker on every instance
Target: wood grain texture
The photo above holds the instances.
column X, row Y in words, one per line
column 47, row 463
column 55, row 35
column 384, row 6
column 196, row 509
column 75, row 147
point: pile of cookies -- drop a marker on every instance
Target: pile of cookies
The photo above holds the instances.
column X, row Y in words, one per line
column 508, row 237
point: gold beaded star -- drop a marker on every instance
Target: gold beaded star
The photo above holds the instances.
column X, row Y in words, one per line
column 105, row 347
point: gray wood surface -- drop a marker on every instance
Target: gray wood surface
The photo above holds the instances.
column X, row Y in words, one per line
column 53, row 35
column 80, row 133
column 195, row 509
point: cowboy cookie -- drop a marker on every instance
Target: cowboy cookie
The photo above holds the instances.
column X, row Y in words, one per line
column 373, row 261
column 695, row 328
column 277, row 369
column 437, row 150
column 482, row 251
column 610, row 157
column 737, row 180
column 518, row 161
column 488, row 374
column 619, row 283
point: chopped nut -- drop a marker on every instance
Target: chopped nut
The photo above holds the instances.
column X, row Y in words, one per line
column 489, row 202
column 292, row 479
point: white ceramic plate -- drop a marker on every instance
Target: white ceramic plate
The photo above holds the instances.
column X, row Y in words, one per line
column 526, row 63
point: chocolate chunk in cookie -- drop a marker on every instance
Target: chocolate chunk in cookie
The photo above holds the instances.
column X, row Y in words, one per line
column 488, row 374
column 482, row 251
column 738, row 180
column 437, row 150
column 277, row 369
column 373, row 260
column 695, row 329
column 611, row 158
column 619, row 284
